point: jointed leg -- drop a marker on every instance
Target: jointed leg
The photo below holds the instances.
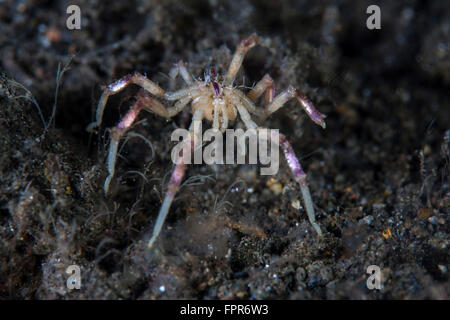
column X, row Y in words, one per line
column 238, row 57
column 119, row 130
column 220, row 110
column 296, row 169
column 180, row 68
column 265, row 85
column 224, row 117
column 179, row 105
column 292, row 160
column 287, row 95
column 175, row 181
column 116, row 133
column 243, row 112
column 300, row 177
column 118, row 86
column 191, row 91
column 244, row 100
column 216, row 116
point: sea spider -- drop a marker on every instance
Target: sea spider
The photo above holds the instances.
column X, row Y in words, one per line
column 212, row 99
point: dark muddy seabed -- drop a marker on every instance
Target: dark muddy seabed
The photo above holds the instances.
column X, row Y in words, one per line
column 378, row 174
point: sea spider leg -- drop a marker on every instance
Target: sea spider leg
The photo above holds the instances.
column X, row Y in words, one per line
column 180, row 68
column 238, row 57
column 175, row 180
column 293, row 163
column 224, row 117
column 119, row 85
column 147, row 103
column 184, row 96
column 243, row 104
column 179, row 105
column 287, row 95
column 300, row 177
column 216, row 107
column 192, row 91
column 246, row 102
column 245, row 116
column 265, row 85
column 143, row 101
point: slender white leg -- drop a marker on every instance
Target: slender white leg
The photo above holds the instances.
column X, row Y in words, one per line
column 245, row 115
column 116, row 133
column 191, row 91
column 300, row 177
column 180, row 69
column 294, row 165
column 174, row 183
column 179, row 105
column 119, row 85
column 264, row 86
column 143, row 101
column 224, row 118
column 238, row 57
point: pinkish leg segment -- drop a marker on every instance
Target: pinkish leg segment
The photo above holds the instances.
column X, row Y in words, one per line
column 310, row 110
column 143, row 102
column 116, row 133
column 174, row 185
column 175, row 181
column 300, row 177
column 118, row 86
column 287, row 95
column 294, row 164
